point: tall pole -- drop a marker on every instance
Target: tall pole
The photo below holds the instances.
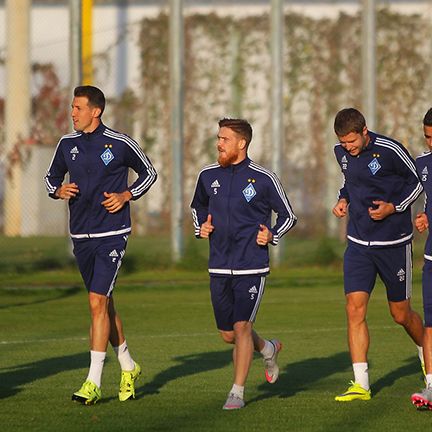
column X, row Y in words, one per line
column 277, row 26
column 369, row 62
column 176, row 44
column 18, row 103
column 75, row 39
column 87, row 41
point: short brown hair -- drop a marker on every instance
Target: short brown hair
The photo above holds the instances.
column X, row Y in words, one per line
column 240, row 126
column 427, row 119
column 349, row 120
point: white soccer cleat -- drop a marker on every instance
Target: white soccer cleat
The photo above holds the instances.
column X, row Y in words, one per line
column 271, row 367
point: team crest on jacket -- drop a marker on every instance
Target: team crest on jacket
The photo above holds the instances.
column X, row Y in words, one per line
column 374, row 166
column 107, row 156
column 249, row 192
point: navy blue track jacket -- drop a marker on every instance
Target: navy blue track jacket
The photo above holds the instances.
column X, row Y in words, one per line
column 424, row 170
column 385, row 171
column 239, row 199
column 99, row 162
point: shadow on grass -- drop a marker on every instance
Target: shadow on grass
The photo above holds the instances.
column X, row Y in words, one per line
column 300, row 376
column 411, row 368
column 188, row 365
column 13, row 378
column 62, row 294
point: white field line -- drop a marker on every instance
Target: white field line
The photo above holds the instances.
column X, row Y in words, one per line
column 190, row 335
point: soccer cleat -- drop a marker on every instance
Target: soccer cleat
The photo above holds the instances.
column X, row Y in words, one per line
column 88, row 394
column 424, row 371
column 233, row 402
column 271, row 367
column 423, row 399
column 354, row 392
column 127, row 383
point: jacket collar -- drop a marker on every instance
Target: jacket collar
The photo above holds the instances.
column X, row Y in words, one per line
column 238, row 167
column 98, row 131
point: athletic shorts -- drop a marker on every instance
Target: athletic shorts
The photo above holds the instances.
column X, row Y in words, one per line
column 393, row 265
column 236, row 298
column 99, row 260
column 427, row 292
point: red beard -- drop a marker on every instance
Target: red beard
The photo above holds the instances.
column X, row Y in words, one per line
column 225, row 160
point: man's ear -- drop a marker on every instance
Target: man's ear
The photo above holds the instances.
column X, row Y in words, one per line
column 97, row 112
column 242, row 144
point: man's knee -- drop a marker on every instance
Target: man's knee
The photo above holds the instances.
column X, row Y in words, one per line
column 401, row 317
column 228, row 336
column 356, row 311
column 98, row 303
column 401, row 312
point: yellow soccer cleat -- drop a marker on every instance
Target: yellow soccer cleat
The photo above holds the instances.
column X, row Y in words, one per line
column 354, row 392
column 127, row 383
column 88, row 394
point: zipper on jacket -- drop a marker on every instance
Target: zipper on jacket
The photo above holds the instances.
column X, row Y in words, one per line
column 230, row 239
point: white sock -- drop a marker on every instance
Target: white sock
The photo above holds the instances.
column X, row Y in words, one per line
column 97, row 359
column 420, row 354
column 238, row 390
column 361, row 374
column 429, row 380
column 124, row 357
column 268, row 349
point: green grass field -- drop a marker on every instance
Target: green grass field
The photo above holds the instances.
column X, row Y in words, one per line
column 187, row 369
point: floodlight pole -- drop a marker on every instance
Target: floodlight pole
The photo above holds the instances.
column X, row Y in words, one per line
column 369, row 62
column 277, row 28
column 176, row 44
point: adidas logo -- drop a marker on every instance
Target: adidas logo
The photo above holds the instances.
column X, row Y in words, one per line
column 74, row 150
column 344, row 159
column 425, row 170
column 401, row 272
column 215, row 184
column 113, row 253
column 253, row 290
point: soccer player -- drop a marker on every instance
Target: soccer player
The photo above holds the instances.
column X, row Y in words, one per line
column 424, row 165
column 380, row 184
column 232, row 207
column 98, row 160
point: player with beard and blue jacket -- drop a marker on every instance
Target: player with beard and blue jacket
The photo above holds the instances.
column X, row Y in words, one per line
column 232, row 207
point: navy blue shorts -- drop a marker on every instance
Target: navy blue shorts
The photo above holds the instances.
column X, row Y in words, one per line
column 393, row 265
column 99, row 260
column 427, row 292
column 236, row 299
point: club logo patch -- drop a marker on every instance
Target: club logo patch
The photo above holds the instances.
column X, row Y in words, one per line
column 249, row 192
column 374, row 166
column 107, row 156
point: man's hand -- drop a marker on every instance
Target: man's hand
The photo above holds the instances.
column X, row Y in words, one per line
column 383, row 210
column 264, row 235
column 340, row 209
column 207, row 228
column 67, row 191
column 421, row 222
column 116, row 201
